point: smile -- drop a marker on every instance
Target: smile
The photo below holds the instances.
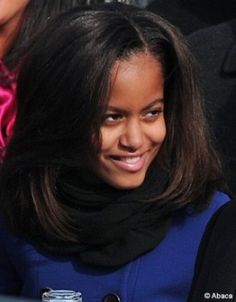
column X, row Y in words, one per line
column 129, row 163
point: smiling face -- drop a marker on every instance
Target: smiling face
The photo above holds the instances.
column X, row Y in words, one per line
column 134, row 128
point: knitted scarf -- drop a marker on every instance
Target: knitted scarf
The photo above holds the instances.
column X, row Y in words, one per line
column 113, row 226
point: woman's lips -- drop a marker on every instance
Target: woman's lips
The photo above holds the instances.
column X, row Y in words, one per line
column 129, row 163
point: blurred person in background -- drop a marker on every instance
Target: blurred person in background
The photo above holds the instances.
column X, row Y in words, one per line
column 215, row 51
column 20, row 21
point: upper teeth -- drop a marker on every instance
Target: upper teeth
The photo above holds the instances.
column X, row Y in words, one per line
column 131, row 160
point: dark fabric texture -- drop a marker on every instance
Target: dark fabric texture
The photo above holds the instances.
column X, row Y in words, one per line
column 192, row 15
column 112, row 226
column 215, row 269
column 215, row 50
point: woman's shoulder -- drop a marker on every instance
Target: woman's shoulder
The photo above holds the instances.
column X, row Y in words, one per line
column 219, row 199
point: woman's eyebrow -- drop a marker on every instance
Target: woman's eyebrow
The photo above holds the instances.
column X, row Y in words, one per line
column 151, row 104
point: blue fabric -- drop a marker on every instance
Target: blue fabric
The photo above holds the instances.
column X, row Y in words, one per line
column 164, row 274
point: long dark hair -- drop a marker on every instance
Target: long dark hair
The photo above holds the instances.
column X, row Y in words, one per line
column 36, row 16
column 63, row 91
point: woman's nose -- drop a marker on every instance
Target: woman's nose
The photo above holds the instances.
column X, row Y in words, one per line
column 132, row 137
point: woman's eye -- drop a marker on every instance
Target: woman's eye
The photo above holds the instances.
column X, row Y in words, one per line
column 112, row 118
column 153, row 113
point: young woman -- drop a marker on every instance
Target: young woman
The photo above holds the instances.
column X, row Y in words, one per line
column 110, row 178
column 20, row 21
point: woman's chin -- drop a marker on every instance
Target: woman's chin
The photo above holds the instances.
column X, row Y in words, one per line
column 125, row 183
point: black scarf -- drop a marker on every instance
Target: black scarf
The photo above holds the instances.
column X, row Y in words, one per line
column 113, row 226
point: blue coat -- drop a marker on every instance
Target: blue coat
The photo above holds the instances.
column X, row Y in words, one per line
column 163, row 274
